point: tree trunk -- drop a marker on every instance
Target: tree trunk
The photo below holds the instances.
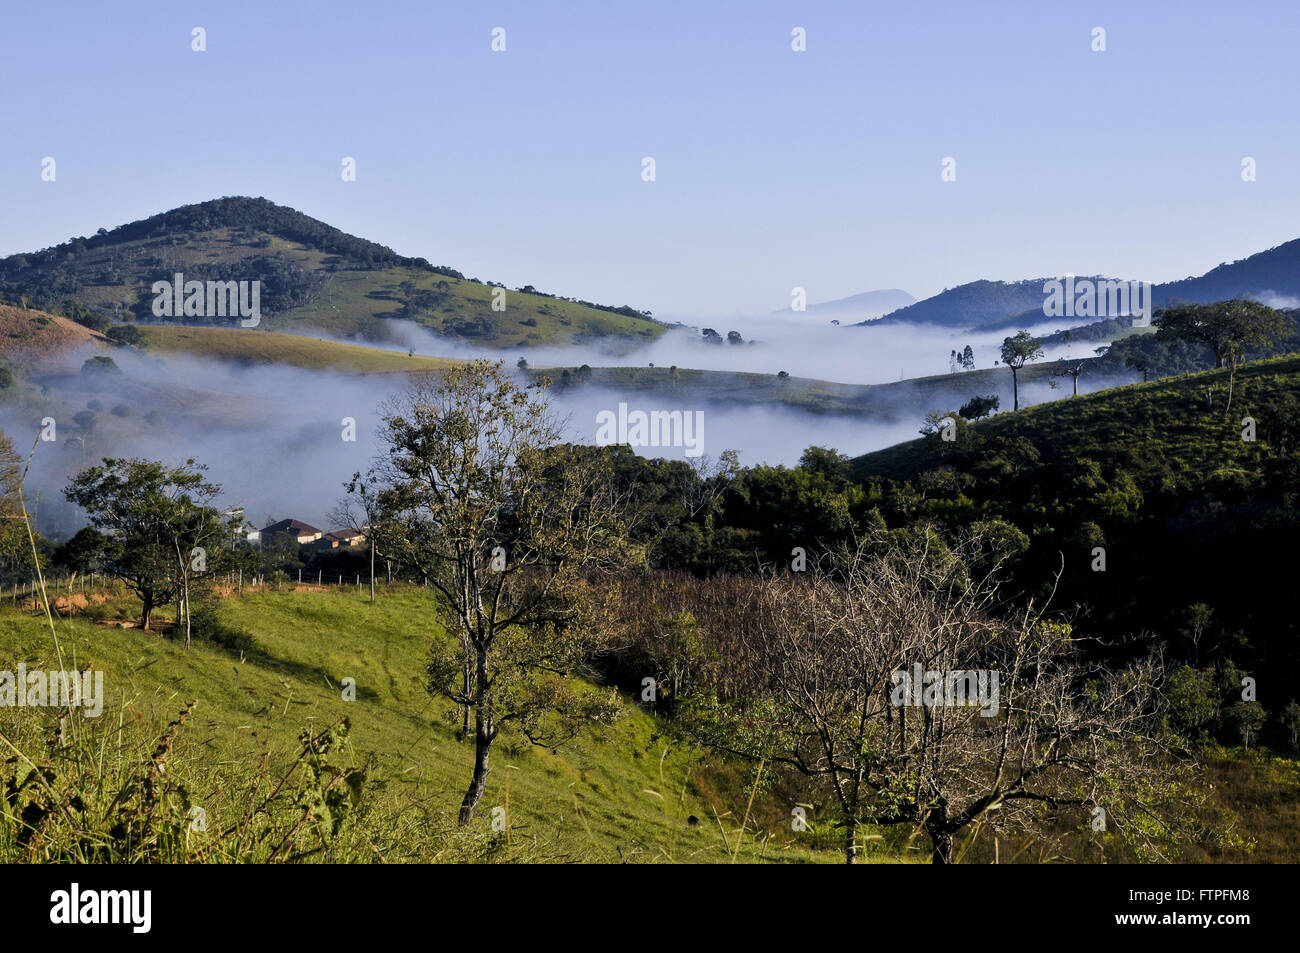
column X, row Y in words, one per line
column 372, row 570
column 187, row 612
column 1015, row 390
column 851, row 842
column 467, row 680
column 482, row 748
column 942, row 841
column 147, row 611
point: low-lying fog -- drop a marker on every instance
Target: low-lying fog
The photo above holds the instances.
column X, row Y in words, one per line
column 273, row 436
column 803, row 347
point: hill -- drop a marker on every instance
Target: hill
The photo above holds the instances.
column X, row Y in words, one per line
column 970, row 305
column 312, row 275
column 251, row 346
column 893, row 400
column 623, row 793
column 1112, row 422
column 868, row 305
column 24, row 332
column 1188, row 505
column 1271, row 276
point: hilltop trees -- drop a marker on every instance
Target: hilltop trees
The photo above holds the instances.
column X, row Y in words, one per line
column 980, row 406
column 1228, row 327
column 1016, row 352
column 474, row 490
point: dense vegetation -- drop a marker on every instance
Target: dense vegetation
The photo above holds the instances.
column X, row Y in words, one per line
column 1193, row 509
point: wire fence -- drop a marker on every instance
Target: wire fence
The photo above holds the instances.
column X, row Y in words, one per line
column 64, row 585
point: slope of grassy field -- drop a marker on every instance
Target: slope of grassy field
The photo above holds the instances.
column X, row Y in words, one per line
column 912, row 397
column 621, row 793
column 1162, row 423
column 254, row 346
column 25, row 332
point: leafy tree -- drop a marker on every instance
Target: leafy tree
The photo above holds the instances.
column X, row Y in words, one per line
column 1016, row 352
column 153, row 518
column 1291, row 721
column 1248, row 718
column 829, row 463
column 82, row 551
column 474, row 490
column 1192, row 700
column 100, row 365
column 126, row 335
column 1228, row 327
column 1139, row 362
column 980, row 406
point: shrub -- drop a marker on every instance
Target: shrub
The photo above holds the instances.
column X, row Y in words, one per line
column 206, row 626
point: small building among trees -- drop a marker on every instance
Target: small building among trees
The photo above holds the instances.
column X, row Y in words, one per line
column 302, row 532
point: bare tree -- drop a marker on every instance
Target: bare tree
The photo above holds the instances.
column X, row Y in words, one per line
column 884, row 675
column 356, row 512
column 704, row 480
column 1072, row 367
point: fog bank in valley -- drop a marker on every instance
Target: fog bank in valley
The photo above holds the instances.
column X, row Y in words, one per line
column 273, row 436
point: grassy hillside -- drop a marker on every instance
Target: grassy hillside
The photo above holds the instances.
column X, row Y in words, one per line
column 253, row 346
column 893, row 400
column 1161, row 423
column 35, row 333
column 1190, row 507
column 311, row 274
column 621, row 793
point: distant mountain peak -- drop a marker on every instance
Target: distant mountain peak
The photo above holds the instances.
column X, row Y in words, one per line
column 865, row 305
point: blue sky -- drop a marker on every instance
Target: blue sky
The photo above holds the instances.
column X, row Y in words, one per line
column 775, row 169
